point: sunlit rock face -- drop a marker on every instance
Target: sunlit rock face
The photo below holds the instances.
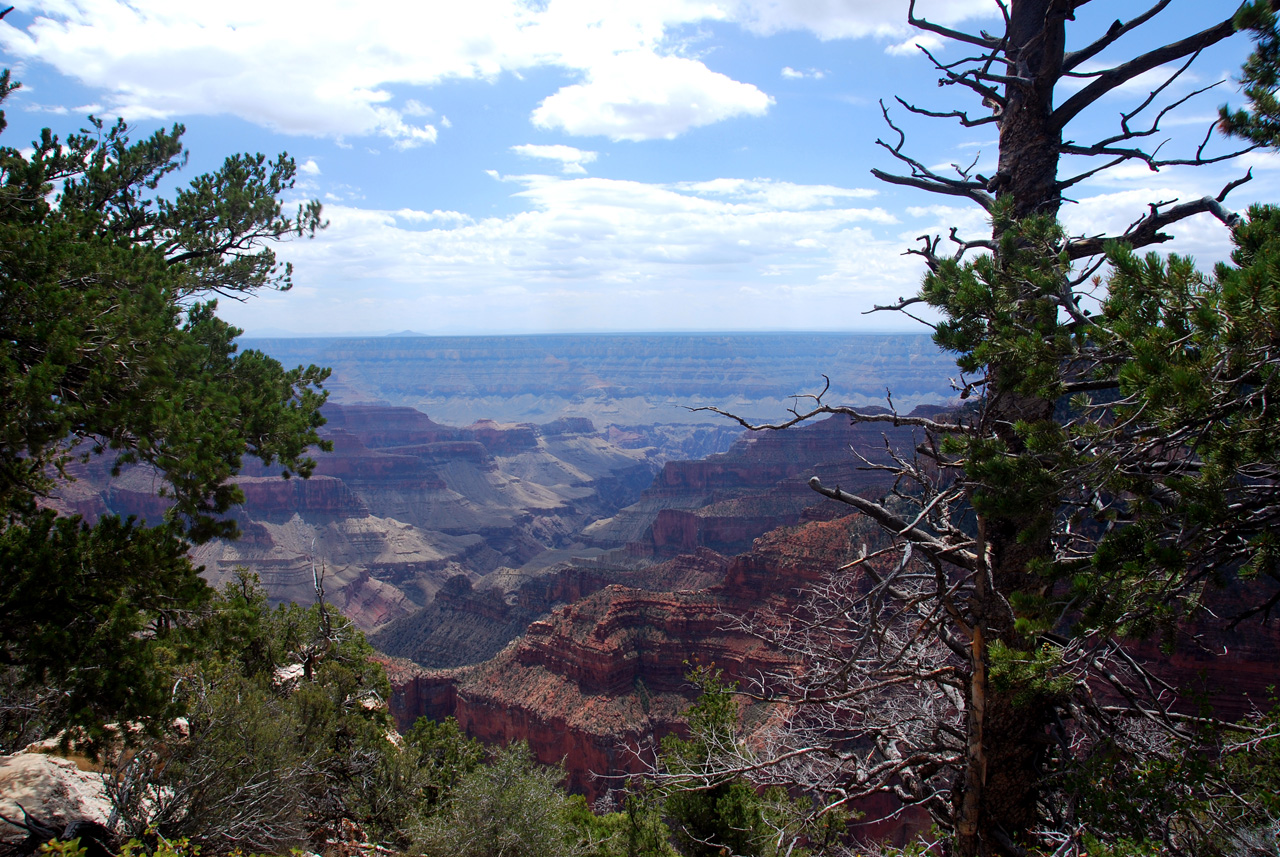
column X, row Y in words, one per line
column 609, row 670
column 401, row 505
column 49, row 790
column 427, row 503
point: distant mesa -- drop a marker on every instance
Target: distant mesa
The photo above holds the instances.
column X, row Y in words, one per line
column 622, row 380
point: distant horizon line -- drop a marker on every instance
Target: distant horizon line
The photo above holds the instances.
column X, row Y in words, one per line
column 413, row 334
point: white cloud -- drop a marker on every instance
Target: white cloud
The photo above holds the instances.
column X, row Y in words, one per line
column 310, row 167
column 322, row 68
column 799, row 74
column 1202, row 236
column 583, row 250
column 293, row 67
column 413, row 107
column 642, row 96
column 778, row 194
column 911, row 47
column 1143, row 83
column 56, row 109
column 571, row 159
column 1260, row 160
column 842, row 19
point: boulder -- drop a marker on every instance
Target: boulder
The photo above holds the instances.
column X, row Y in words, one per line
column 51, row 790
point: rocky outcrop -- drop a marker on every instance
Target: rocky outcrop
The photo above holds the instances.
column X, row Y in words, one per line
column 467, row 625
column 51, row 790
column 601, row 677
column 725, row 501
column 401, row 505
column 598, row 680
column 460, row 626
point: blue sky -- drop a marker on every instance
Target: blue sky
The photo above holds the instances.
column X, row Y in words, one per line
column 499, row 166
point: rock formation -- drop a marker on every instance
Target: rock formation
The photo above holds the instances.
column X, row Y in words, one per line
column 720, row 504
column 400, row 506
column 51, row 790
column 726, row 500
column 596, row 681
column 628, row 381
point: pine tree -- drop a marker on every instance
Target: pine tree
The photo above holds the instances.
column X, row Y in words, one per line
column 110, row 345
column 1107, row 464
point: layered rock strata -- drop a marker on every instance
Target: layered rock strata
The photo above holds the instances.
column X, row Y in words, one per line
column 400, row 506
column 725, row 501
column 597, row 681
column 625, row 380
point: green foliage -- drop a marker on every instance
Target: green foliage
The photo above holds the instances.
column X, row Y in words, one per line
column 58, row 848
column 1001, row 309
column 1032, row 676
column 73, row 592
column 729, row 813
column 284, row 733
column 110, row 345
column 1261, row 122
column 1001, row 319
column 285, row 742
column 105, row 339
column 1199, row 377
column 726, row 815
column 635, row 830
column 512, row 807
column 162, row 848
column 441, row 755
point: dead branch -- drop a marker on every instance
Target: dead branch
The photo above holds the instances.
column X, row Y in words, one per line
column 1073, row 59
column 1146, row 230
column 1114, row 77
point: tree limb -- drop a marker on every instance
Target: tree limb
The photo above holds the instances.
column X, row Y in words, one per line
column 1112, row 78
column 1146, row 230
column 1118, row 29
column 982, row 41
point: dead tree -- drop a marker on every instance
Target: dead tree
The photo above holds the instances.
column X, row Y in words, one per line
column 963, row 665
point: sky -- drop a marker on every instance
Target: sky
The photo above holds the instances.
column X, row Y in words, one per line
column 525, row 166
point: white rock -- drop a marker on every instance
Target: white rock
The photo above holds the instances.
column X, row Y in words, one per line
column 52, row 789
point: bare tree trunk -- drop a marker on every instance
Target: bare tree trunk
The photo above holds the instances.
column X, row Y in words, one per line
column 1029, row 143
column 997, row 804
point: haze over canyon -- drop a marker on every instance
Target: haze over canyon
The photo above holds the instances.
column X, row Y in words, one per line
column 542, row 537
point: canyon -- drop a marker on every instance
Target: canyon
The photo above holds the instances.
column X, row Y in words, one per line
column 550, row 459
column 551, row 568
column 715, row 506
column 623, row 380
column 401, row 505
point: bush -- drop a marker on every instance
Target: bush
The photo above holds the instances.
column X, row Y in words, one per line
column 512, row 807
column 285, row 733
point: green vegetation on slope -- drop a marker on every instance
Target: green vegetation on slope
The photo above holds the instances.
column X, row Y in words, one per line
column 110, row 345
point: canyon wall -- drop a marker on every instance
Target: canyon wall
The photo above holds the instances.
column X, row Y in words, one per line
column 625, row 381
column 597, row 681
column 400, row 506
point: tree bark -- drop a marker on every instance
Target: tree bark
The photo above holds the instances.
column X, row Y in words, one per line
column 996, row 808
column 1029, row 143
